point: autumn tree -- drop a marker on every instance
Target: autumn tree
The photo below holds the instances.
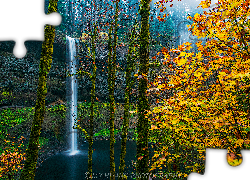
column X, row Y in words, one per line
column 210, row 103
column 45, row 63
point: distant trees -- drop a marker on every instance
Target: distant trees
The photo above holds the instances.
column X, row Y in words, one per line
column 45, row 63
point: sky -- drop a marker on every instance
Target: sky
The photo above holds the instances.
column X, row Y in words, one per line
column 190, row 4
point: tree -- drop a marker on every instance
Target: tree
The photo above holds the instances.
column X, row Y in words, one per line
column 89, row 136
column 142, row 153
column 210, row 102
column 111, row 86
column 129, row 83
column 91, row 122
column 45, row 63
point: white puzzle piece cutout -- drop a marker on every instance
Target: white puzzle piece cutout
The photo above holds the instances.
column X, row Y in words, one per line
column 217, row 167
column 23, row 20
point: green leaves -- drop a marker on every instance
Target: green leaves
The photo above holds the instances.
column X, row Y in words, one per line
column 106, row 132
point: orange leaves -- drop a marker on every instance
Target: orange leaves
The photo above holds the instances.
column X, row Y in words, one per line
column 11, row 161
column 153, row 127
column 188, row 47
column 164, row 51
column 181, row 47
column 139, row 158
column 162, row 9
column 160, row 19
column 226, row 71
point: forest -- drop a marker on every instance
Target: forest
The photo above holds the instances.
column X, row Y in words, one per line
column 127, row 89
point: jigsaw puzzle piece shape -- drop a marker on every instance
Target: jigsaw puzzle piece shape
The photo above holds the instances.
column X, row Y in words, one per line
column 24, row 20
column 217, row 167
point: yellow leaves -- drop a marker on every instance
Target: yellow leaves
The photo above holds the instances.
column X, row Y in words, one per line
column 175, row 121
column 198, row 44
column 182, row 54
column 242, row 75
column 197, row 17
column 198, row 73
column 161, row 86
column 222, row 36
column 181, row 61
column 162, row 159
column 209, row 23
column 188, row 47
column 188, row 55
column 199, row 55
column 156, row 155
column 204, row 4
column 221, row 75
column 187, row 43
column 224, row 65
column 239, row 142
column 228, row 23
column 233, row 5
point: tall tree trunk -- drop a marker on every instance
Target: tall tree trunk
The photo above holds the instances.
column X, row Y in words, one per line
column 142, row 154
column 111, row 86
column 28, row 173
column 129, row 83
column 91, row 123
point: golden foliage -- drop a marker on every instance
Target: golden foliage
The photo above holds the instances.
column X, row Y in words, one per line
column 205, row 110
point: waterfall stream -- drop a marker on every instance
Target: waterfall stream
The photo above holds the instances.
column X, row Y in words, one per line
column 72, row 95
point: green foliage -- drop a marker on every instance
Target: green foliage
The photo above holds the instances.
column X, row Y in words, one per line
column 43, row 141
column 10, row 117
column 58, row 111
column 135, row 134
column 106, row 132
column 101, row 118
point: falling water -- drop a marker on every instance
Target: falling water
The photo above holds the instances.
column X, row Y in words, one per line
column 72, row 95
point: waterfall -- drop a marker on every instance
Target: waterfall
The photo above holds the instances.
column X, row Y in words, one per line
column 183, row 33
column 71, row 95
